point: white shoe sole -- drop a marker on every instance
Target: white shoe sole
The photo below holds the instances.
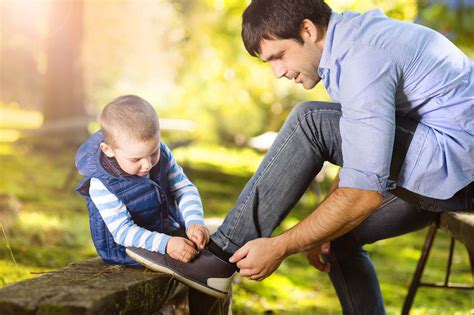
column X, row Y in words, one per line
column 149, row 264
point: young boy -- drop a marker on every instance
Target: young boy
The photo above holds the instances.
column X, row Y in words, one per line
column 136, row 193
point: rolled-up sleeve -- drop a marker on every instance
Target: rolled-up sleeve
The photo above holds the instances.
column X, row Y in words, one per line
column 368, row 84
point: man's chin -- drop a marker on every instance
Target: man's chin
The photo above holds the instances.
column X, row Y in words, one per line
column 309, row 85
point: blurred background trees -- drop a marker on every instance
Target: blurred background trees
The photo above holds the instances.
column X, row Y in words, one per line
column 69, row 58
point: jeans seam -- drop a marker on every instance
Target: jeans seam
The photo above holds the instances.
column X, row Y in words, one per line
column 388, row 201
column 272, row 159
column 345, row 288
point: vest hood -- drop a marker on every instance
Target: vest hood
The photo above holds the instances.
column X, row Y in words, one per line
column 88, row 157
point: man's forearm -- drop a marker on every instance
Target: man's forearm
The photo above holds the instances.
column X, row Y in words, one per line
column 342, row 211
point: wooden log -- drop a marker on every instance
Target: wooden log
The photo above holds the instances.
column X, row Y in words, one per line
column 90, row 287
column 460, row 226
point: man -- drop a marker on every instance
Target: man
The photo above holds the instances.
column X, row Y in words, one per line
column 401, row 129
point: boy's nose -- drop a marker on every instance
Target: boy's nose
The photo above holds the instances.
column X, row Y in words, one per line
column 146, row 164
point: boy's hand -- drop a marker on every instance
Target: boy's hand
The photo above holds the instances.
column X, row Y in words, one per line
column 198, row 234
column 181, row 249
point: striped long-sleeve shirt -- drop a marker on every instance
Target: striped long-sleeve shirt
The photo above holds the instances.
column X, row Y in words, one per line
column 119, row 221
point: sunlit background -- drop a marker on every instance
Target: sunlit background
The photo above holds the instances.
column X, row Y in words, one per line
column 61, row 61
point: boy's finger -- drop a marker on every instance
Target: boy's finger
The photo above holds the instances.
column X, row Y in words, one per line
column 207, row 237
column 197, row 237
column 202, row 243
column 190, row 251
column 189, row 243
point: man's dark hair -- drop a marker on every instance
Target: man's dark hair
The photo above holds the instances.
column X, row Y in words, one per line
column 280, row 19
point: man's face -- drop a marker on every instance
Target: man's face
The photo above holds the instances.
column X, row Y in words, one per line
column 293, row 60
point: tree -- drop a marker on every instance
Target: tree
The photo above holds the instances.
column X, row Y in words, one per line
column 453, row 18
column 64, row 89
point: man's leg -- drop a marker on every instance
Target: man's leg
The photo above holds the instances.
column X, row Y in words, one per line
column 309, row 136
column 352, row 272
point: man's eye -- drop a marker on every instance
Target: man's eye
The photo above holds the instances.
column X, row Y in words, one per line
column 278, row 57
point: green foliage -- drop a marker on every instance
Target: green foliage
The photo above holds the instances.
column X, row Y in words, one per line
column 455, row 23
column 402, row 9
column 187, row 58
column 231, row 95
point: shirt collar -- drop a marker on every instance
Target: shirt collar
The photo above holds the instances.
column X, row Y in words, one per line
column 329, row 41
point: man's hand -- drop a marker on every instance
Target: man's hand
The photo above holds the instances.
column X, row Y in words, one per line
column 198, row 234
column 314, row 258
column 181, row 249
column 259, row 258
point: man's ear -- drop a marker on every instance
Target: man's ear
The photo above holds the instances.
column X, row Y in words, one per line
column 309, row 31
column 107, row 150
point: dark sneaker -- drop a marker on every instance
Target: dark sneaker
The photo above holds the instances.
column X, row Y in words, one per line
column 206, row 273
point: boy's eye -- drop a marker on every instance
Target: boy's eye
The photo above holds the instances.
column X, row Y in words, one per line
column 135, row 160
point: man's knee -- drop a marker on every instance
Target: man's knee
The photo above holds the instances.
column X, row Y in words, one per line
column 345, row 246
column 302, row 109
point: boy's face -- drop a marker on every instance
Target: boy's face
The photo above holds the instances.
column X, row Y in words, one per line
column 135, row 157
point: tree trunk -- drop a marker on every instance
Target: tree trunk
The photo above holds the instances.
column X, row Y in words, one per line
column 64, row 87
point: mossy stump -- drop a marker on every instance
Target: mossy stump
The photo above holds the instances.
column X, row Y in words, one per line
column 90, row 287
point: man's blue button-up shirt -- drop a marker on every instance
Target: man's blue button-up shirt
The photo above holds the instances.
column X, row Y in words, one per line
column 377, row 68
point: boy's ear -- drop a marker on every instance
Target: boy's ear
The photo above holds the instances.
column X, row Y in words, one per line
column 107, row 150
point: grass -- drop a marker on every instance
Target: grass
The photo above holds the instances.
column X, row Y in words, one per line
column 52, row 231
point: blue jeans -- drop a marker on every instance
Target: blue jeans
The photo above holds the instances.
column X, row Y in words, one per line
column 309, row 137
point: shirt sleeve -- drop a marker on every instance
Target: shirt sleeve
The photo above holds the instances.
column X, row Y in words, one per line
column 185, row 193
column 119, row 221
column 368, row 84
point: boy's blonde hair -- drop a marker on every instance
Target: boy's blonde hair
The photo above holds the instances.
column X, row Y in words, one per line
column 130, row 116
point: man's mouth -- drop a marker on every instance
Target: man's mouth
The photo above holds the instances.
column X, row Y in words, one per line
column 297, row 78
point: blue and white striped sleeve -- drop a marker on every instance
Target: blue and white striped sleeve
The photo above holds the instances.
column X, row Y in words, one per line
column 119, row 221
column 184, row 192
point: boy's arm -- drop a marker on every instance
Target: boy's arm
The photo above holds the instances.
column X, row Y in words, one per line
column 119, row 221
column 184, row 192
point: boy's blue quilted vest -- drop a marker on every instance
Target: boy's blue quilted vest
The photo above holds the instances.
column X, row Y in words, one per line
column 147, row 199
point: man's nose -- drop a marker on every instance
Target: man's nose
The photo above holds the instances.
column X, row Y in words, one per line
column 278, row 69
